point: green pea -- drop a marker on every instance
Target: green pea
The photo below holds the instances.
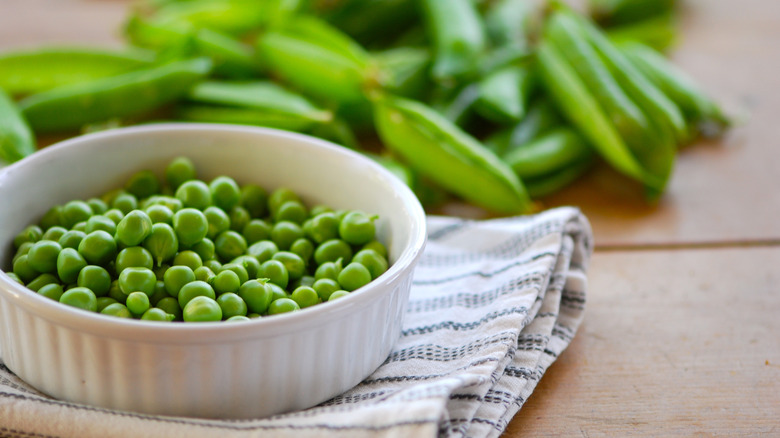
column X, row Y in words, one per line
column 115, row 215
column 194, row 289
column 54, row 233
column 194, row 194
column 240, row 270
column 81, row 298
column 116, row 293
column 276, row 272
column 293, row 262
column 277, row 291
column 338, row 294
column 218, row 221
column 357, row 228
column 81, row 226
column 332, row 250
column 354, row 276
column 118, row 310
column 204, row 274
column 74, row 212
column 159, row 293
column 157, row 314
column 52, row 218
column 24, row 249
column 205, row 249
column 324, row 226
column 170, row 306
column 372, row 260
column 254, row 199
column 43, row 256
column 328, row 270
column 377, row 246
column 137, row 303
column 172, row 203
column 202, row 309
column 32, row 234
column 99, row 222
column 96, row 279
column 103, row 302
column 237, row 318
column 52, row 291
column 143, row 184
column 188, row 258
column 225, row 193
column 229, row 245
column 257, row 295
column 134, row 228
column 125, row 202
column 159, row 271
column 97, row 205
column 282, row 305
column 42, row 280
column 72, row 239
column 256, row 230
column 239, row 217
column 249, row 263
column 226, row 281
column 160, row 214
column 133, row 257
column 98, row 248
column 23, row 269
column 305, row 296
column 190, row 225
column 279, row 197
column 231, row 305
column 176, row 277
column 14, row 277
column 213, row 264
column 137, row 280
column 284, row 233
column 263, row 250
column 325, row 287
column 292, row 211
column 178, row 171
column 162, row 243
column 319, row 209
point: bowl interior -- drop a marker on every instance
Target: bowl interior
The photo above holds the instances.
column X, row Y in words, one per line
column 320, row 172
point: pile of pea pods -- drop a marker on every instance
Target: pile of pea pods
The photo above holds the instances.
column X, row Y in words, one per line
column 494, row 102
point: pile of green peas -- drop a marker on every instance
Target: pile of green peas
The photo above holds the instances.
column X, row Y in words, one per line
column 187, row 250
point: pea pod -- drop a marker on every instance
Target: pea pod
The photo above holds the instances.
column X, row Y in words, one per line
column 612, row 12
column 374, row 22
column 503, row 95
column 578, row 105
column 438, row 149
column 406, row 69
column 458, row 107
column 697, row 107
column 16, row 138
column 554, row 182
column 235, row 17
column 507, row 21
column 546, row 154
column 658, row 32
column 458, row 37
column 35, row 70
column 231, row 57
column 395, row 167
column 318, row 59
column 130, row 94
column 541, row 117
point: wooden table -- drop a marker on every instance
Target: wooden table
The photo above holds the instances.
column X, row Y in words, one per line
column 682, row 331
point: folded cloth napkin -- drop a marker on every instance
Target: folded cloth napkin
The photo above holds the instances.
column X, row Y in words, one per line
column 492, row 305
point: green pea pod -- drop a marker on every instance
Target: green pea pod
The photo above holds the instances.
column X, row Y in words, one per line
column 374, row 22
column 35, row 70
column 554, row 182
column 130, row 94
column 458, row 37
column 318, row 59
column 629, row 120
column 666, row 117
column 438, row 149
column 233, row 17
column 612, row 12
column 16, row 138
column 400, row 170
column 458, row 108
column 541, row 117
column 507, row 21
column 577, row 104
column 658, row 32
column 231, row 57
column 503, row 95
column 697, row 107
column 243, row 116
column 557, row 149
column 406, row 69
column 263, row 95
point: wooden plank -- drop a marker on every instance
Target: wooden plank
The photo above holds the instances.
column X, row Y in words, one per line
column 674, row 343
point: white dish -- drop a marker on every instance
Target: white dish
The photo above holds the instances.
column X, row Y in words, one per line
column 218, row 370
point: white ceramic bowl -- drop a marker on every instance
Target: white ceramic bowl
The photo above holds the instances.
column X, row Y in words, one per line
column 218, row 370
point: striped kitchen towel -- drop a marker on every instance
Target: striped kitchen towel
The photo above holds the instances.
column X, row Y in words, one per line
column 492, row 305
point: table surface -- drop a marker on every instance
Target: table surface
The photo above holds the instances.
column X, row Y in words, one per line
column 682, row 329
